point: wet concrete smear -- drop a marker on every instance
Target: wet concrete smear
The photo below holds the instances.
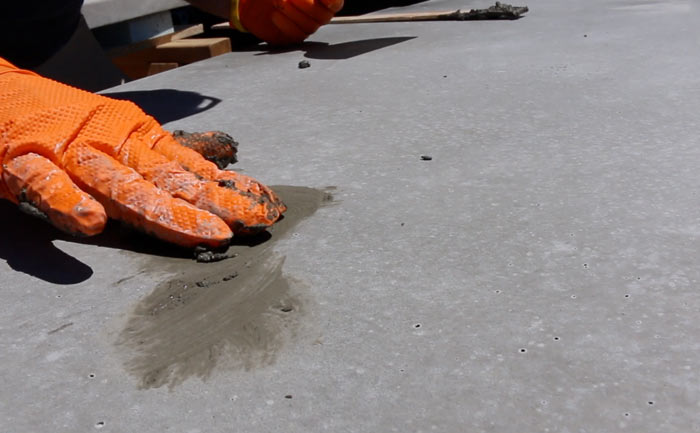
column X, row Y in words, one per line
column 237, row 313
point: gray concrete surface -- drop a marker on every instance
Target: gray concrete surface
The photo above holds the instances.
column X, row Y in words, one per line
column 539, row 274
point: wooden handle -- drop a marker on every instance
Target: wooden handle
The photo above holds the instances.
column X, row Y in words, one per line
column 396, row 17
column 499, row 11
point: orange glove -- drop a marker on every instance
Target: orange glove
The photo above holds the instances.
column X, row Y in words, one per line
column 75, row 158
column 282, row 22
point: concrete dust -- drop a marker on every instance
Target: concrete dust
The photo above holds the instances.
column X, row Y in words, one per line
column 238, row 313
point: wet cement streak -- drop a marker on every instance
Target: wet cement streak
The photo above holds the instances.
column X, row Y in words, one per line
column 239, row 312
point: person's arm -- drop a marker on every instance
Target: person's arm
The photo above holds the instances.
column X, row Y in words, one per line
column 278, row 22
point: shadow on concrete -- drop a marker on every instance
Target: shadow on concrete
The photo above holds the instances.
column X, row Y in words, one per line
column 167, row 105
column 341, row 51
column 28, row 246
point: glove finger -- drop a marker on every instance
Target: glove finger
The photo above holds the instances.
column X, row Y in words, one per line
column 215, row 146
column 291, row 31
column 128, row 197
column 333, row 5
column 244, row 212
column 195, row 163
column 49, row 192
column 147, row 131
column 313, row 9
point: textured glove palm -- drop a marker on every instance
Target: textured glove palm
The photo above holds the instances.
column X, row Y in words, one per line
column 77, row 157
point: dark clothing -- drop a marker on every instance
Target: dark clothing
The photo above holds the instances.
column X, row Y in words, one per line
column 31, row 31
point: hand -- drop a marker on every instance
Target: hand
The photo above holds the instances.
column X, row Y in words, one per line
column 76, row 158
column 283, row 22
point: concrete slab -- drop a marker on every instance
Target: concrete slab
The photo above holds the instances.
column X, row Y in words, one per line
column 538, row 274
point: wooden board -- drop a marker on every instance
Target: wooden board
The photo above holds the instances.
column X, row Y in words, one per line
column 183, row 51
column 181, row 32
column 186, row 51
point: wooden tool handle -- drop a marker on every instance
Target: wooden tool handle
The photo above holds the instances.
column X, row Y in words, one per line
column 395, row 17
column 499, row 11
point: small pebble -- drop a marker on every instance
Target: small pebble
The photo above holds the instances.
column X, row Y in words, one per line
column 426, row 157
column 304, row 64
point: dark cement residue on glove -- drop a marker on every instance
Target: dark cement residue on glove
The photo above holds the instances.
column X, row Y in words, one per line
column 216, row 146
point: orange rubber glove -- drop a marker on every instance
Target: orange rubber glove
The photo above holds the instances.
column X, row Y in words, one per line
column 281, row 22
column 75, row 158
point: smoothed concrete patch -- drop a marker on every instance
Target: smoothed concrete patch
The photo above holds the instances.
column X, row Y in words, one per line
column 237, row 313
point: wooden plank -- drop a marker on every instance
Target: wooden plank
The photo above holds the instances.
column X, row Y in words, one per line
column 182, row 51
column 186, row 51
column 158, row 67
column 181, row 32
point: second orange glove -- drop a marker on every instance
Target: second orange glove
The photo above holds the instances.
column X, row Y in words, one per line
column 281, row 22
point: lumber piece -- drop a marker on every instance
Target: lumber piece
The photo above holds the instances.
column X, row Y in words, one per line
column 182, row 51
column 186, row 51
column 158, row 67
column 181, row 32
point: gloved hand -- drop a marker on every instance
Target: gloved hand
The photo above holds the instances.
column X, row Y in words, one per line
column 75, row 158
column 282, row 22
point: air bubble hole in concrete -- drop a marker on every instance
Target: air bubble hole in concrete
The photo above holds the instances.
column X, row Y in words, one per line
column 91, row 375
column 286, row 309
column 99, row 424
column 523, row 350
column 417, row 325
column 556, row 338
